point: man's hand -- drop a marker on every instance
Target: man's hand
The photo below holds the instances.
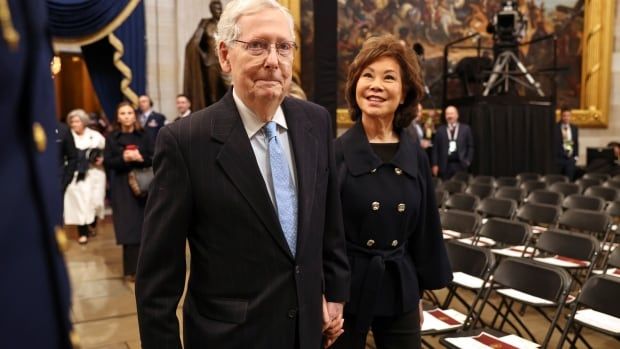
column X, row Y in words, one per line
column 435, row 170
column 332, row 322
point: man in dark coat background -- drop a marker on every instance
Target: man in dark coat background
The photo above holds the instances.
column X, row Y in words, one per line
column 250, row 183
column 34, row 287
column 150, row 120
column 453, row 147
column 566, row 144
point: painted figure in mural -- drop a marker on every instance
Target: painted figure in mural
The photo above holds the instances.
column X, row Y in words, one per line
column 203, row 83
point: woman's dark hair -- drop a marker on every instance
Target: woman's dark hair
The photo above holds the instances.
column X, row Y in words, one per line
column 388, row 46
column 117, row 125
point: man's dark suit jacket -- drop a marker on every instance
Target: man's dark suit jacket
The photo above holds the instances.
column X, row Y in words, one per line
column 245, row 289
column 464, row 147
column 560, row 154
column 153, row 124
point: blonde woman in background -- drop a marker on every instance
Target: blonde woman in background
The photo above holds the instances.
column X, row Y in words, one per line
column 85, row 195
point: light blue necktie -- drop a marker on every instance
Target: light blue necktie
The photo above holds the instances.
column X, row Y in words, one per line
column 283, row 187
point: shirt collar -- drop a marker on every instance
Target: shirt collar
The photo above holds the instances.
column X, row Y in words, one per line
column 251, row 122
column 147, row 113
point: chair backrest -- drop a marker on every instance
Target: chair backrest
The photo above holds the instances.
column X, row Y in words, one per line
column 554, row 178
column 532, row 185
column 505, row 231
column 542, row 196
column 584, row 221
column 463, row 222
column 440, row 197
column 612, row 183
column 614, row 258
column 594, row 175
column 539, row 214
column 506, row 182
column 568, row 244
column 613, row 209
column 462, row 201
column 528, row 176
column 473, row 260
column 605, row 193
column 454, row 186
column 484, row 180
column 565, row 188
column 586, row 183
column 462, row 176
column 516, row 194
column 497, row 207
column 600, row 292
column 583, row 202
column 481, row 190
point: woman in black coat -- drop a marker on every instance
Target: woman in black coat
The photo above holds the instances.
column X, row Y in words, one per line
column 127, row 148
column 391, row 222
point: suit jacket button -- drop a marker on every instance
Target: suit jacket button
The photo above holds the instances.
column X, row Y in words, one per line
column 401, row 207
column 398, row 171
column 375, row 205
column 61, row 239
column 39, row 137
column 297, row 269
column 292, row 313
column 370, row 242
column 394, row 243
column 373, row 170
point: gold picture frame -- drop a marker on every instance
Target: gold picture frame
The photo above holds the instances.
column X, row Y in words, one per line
column 597, row 44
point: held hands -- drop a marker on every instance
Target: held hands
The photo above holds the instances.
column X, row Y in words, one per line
column 435, row 170
column 332, row 322
column 132, row 155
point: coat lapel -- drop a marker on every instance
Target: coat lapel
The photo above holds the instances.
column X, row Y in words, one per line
column 237, row 160
column 305, row 146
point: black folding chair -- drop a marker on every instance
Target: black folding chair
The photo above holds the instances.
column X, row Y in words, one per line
column 586, row 221
column 454, row 186
column 481, row 190
column 598, row 298
column 554, row 178
column 462, row 176
column 598, row 176
column 462, row 201
column 605, row 193
column 484, row 180
column 458, row 224
column 565, row 188
column 583, row 202
column 440, row 197
column 612, row 183
column 506, row 182
column 586, row 183
column 518, row 281
column 528, row 176
column 497, row 207
column 539, row 216
column 516, row 194
column 613, row 210
column 542, row 196
column 507, row 238
column 612, row 265
column 530, row 186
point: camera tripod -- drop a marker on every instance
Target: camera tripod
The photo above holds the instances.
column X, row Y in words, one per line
column 503, row 74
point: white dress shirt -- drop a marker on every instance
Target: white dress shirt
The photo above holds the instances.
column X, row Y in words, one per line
column 254, row 128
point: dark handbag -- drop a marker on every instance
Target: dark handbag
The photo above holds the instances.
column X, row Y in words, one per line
column 139, row 181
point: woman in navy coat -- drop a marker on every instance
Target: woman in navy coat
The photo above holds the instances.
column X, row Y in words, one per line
column 394, row 240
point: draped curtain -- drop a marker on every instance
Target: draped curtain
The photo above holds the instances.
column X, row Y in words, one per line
column 112, row 37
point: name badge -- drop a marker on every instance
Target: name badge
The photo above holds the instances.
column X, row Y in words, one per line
column 452, row 147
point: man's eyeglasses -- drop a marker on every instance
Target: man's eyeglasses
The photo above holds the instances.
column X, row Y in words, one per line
column 260, row 47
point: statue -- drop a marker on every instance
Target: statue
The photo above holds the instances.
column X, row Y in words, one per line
column 203, row 83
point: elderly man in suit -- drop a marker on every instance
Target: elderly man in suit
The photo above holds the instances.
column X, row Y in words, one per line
column 250, row 183
column 453, row 148
column 566, row 144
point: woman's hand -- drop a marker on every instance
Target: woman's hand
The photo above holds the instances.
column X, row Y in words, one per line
column 99, row 161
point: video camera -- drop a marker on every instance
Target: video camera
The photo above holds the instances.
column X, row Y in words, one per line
column 508, row 24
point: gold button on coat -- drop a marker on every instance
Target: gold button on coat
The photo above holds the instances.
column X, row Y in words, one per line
column 61, row 239
column 370, row 242
column 394, row 243
column 375, row 205
column 401, row 207
column 40, row 139
column 398, row 171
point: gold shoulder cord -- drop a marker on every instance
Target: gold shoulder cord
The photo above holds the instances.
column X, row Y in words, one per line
column 10, row 35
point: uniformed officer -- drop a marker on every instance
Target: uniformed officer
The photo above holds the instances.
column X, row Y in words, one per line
column 34, row 296
column 391, row 222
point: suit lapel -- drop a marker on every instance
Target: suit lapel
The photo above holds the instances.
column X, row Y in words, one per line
column 304, row 146
column 238, row 162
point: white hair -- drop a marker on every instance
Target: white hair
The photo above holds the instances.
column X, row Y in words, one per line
column 227, row 28
column 80, row 113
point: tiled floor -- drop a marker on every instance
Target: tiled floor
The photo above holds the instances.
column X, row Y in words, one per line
column 104, row 309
